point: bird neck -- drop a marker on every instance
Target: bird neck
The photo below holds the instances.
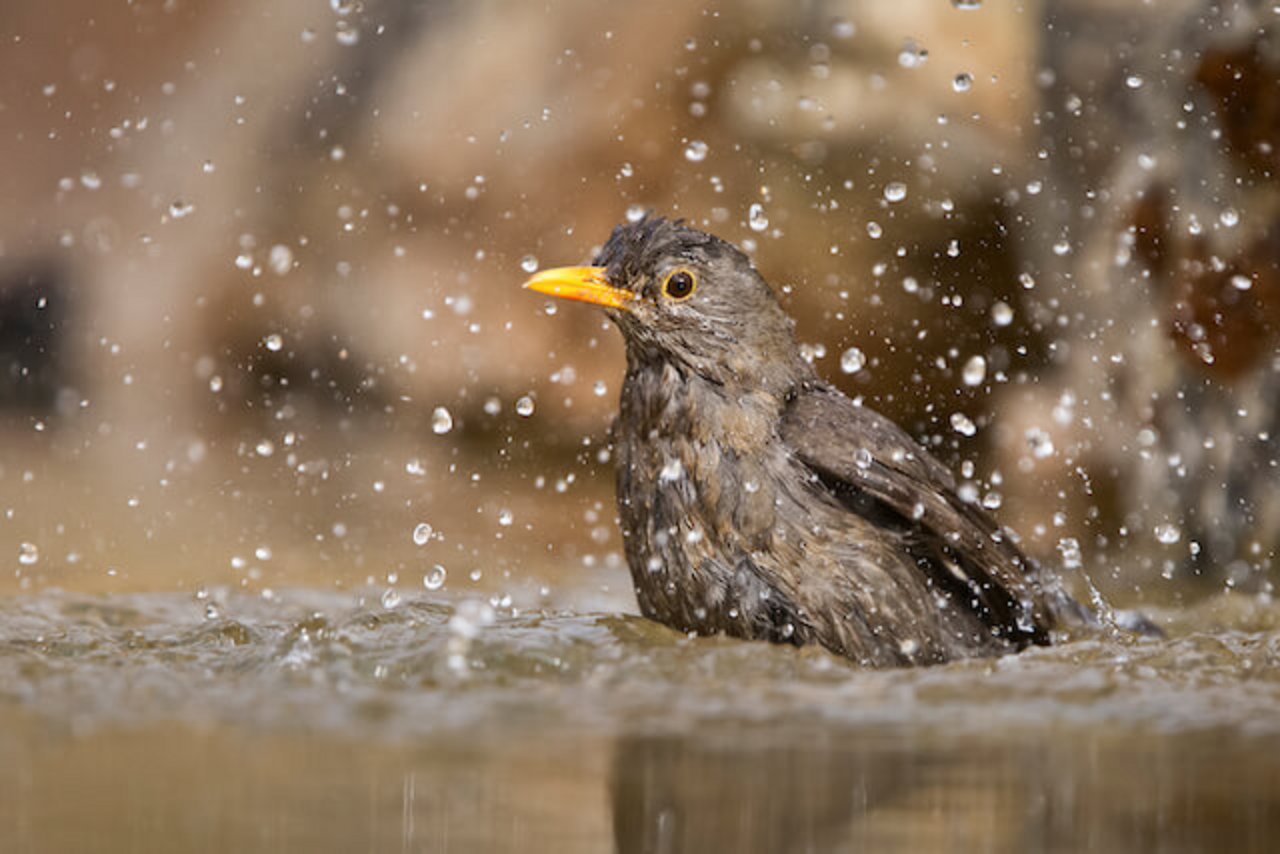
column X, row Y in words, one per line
column 663, row 398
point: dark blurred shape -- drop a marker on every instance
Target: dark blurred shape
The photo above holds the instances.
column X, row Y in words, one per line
column 33, row 314
column 677, row 793
column 1160, row 249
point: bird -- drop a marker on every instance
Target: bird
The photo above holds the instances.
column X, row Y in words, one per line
column 758, row 501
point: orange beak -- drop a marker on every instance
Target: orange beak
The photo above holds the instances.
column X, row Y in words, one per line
column 583, row 284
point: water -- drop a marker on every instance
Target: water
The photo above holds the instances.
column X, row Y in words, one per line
column 322, row 721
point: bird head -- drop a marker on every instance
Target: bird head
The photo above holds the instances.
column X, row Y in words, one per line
column 685, row 297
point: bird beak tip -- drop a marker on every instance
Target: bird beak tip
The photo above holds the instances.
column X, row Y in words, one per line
column 582, row 284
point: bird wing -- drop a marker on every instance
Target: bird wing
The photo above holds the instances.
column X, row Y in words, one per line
column 875, row 468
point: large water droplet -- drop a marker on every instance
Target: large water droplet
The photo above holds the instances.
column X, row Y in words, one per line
column 696, row 151
column 852, row 360
column 1001, row 314
column 273, row 342
column 529, row 263
column 434, row 579
column 975, row 371
column 28, row 553
column 524, row 406
column 1168, row 533
column 441, row 421
column 962, row 82
column 422, row 533
column 756, row 217
column 280, row 259
column 963, row 424
column 895, row 191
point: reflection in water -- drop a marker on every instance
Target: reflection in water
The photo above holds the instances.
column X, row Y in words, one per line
column 312, row 722
column 746, row 789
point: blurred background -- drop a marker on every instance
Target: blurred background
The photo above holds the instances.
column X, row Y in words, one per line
column 260, row 315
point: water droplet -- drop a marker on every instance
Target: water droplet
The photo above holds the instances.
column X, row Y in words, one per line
column 895, row 191
column 843, row 28
column 280, row 259
column 179, row 209
column 434, row 579
column 963, row 424
column 599, row 388
column 342, row 8
column 505, row 517
column 529, row 263
column 1040, row 443
column 1241, row 283
column 1061, row 247
column 1229, row 217
column 390, row 598
column 90, row 180
column 1168, row 533
column 962, row 82
column 975, row 371
column 273, row 342
column 635, row 213
column 852, row 360
column 862, row 458
column 695, row 151
column 1133, row 81
column 1001, row 313
column 265, row 448
column 441, row 421
column 967, row 5
column 1027, row 281
column 347, row 35
column 524, row 406
column 1069, row 548
column 28, row 554
column 422, row 533
column 874, row 230
column 672, row 470
column 912, row 55
column 756, row 217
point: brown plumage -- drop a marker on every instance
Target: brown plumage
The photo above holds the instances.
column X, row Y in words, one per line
column 759, row 501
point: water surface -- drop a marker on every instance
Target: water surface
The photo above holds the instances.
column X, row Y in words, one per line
column 326, row 721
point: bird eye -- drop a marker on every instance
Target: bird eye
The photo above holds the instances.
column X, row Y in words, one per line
column 679, row 285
